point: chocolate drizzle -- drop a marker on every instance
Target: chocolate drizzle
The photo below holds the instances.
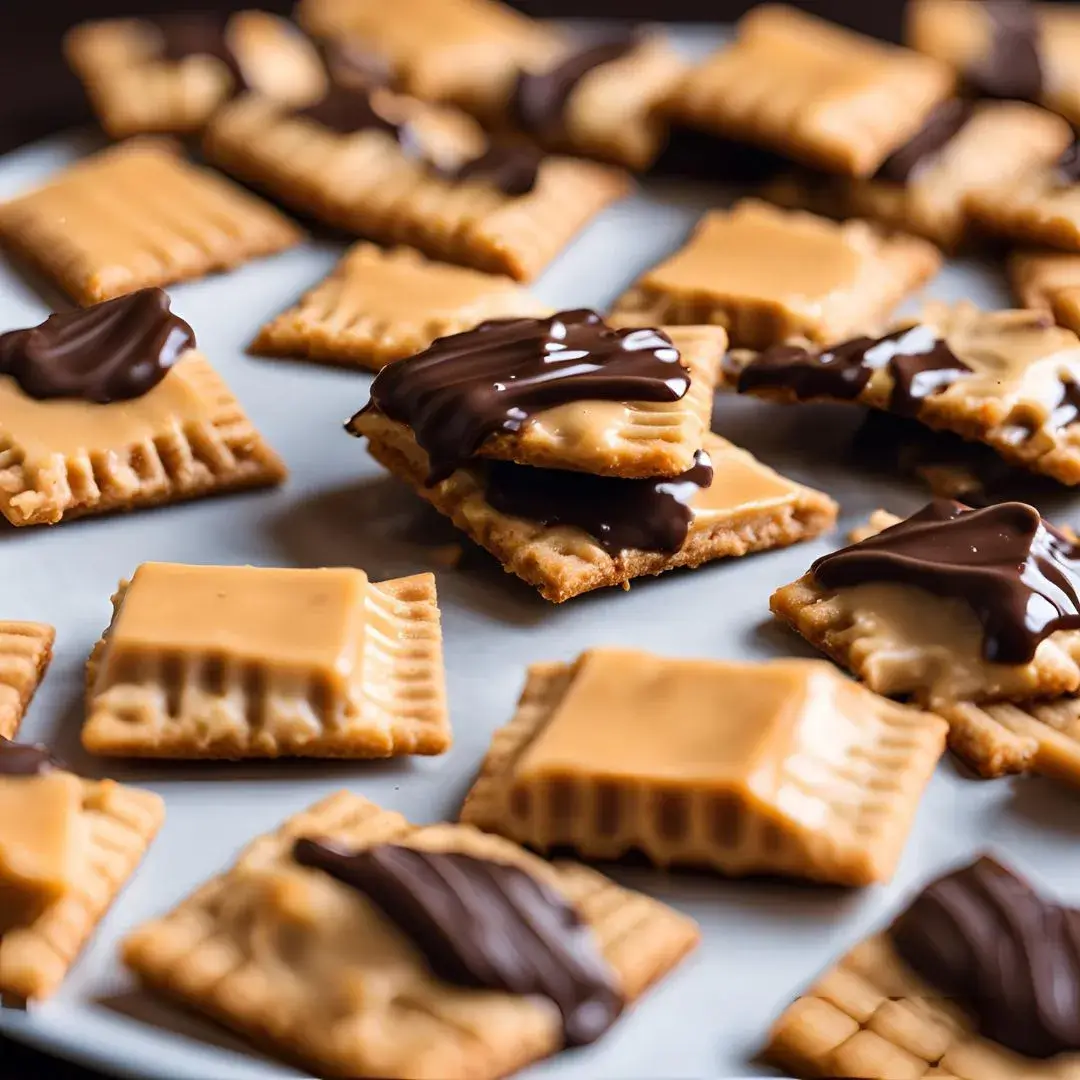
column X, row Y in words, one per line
column 1019, row 575
column 538, row 102
column 984, row 937
column 199, row 34
column 1067, row 410
column 469, row 386
column 1012, row 68
column 942, row 126
column 113, row 351
column 512, row 169
column 620, row 515
column 25, row 759
column 920, row 363
column 483, row 925
column 347, row 110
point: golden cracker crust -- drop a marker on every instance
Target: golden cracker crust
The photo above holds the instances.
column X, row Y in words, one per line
column 26, row 650
column 121, row 822
column 406, row 713
column 181, row 956
column 222, row 454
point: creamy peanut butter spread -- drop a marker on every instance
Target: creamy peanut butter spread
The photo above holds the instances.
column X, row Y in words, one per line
column 41, row 843
column 757, row 253
column 740, row 484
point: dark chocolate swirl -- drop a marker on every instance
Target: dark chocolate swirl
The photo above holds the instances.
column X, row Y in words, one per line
column 511, row 168
column 620, row 515
column 943, row 124
column 113, row 351
column 466, row 387
column 538, row 102
column 483, row 925
column 347, row 110
column 983, row 937
column 199, row 34
column 1013, row 66
column 1019, row 575
column 26, row 759
column 921, row 364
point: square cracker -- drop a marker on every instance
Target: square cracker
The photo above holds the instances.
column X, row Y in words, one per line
column 1048, row 281
column 185, row 438
column 367, row 183
column 118, row 823
column 378, row 306
column 134, row 90
column 766, row 274
column 998, row 143
column 872, row 1016
column 261, row 663
column 25, row 654
column 226, row 952
column 705, row 763
column 137, row 215
column 815, row 92
column 1037, row 207
column 440, row 50
column 625, row 439
column 754, row 509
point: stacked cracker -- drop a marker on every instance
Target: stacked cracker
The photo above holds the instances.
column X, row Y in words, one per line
column 525, row 432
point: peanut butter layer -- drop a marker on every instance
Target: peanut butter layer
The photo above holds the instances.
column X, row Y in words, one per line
column 746, row 508
column 320, row 975
column 366, row 182
column 765, row 275
column 502, row 375
column 1004, row 378
column 25, row 654
column 441, row 50
column 927, row 191
column 186, row 437
column 815, row 92
column 169, row 75
column 138, row 215
column 378, row 306
column 239, row 662
column 904, row 639
column 67, row 847
column 1048, row 281
column 706, row 763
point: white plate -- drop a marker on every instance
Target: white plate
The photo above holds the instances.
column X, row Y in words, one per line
column 762, row 941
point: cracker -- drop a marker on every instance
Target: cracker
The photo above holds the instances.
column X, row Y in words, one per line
column 1048, row 281
column 872, row 1016
column 134, row 89
column 223, row 951
column 378, row 306
column 919, row 644
column 611, row 438
column 815, row 92
column 186, row 438
column 260, row 663
column 998, row 143
column 119, row 823
column 563, row 561
column 367, row 183
column 440, row 50
column 837, row 279
column 1021, row 369
column 138, row 215
column 25, row 654
column 635, row 774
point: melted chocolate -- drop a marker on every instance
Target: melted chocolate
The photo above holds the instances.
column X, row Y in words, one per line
column 538, row 103
column 347, row 110
column 483, row 925
column 620, row 515
column 921, row 364
column 466, row 387
column 512, row 169
column 25, row 759
column 1067, row 410
column 1012, row 67
column 983, row 937
column 1019, row 575
column 199, row 34
column 942, row 126
column 113, row 351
